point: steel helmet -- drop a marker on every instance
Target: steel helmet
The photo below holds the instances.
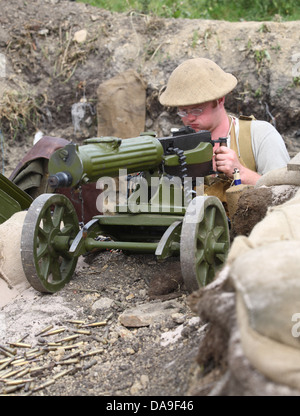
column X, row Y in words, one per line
column 196, row 81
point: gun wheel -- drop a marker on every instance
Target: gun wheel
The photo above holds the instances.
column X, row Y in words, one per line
column 204, row 241
column 50, row 226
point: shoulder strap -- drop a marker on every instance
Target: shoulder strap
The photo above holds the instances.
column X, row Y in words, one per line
column 249, row 118
column 245, row 143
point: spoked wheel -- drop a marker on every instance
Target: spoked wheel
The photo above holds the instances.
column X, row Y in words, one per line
column 50, row 226
column 204, row 241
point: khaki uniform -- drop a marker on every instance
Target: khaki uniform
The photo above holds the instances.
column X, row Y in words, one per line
column 217, row 186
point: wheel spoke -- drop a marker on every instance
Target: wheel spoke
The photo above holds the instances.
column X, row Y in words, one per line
column 210, row 216
column 218, row 231
column 55, row 269
column 43, row 268
column 67, row 229
column 199, row 257
column 42, row 234
column 221, row 257
column 204, row 241
column 201, row 233
column 202, row 273
column 58, row 215
column 200, row 241
column 47, row 219
column 41, row 251
column 211, row 273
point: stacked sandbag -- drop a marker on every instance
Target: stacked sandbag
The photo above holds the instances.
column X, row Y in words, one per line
column 121, row 112
column 264, row 269
column 261, row 349
column 121, row 105
column 12, row 278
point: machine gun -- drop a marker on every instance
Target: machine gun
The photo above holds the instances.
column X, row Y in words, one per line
column 163, row 215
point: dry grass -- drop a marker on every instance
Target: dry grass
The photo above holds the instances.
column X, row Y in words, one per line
column 20, row 113
column 21, row 110
column 70, row 54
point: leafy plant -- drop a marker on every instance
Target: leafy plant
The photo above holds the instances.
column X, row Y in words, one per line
column 231, row 10
column 296, row 81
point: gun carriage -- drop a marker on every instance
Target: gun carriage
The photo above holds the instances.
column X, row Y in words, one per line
column 162, row 215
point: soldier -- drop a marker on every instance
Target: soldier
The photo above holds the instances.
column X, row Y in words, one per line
column 198, row 87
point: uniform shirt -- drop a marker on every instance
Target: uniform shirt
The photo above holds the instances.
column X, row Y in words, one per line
column 268, row 147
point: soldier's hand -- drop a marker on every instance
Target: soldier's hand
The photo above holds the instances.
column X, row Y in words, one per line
column 226, row 160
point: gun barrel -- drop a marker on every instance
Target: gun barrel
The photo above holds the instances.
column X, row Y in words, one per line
column 104, row 156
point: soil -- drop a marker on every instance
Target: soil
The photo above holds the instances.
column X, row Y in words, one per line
column 148, row 338
column 45, row 72
column 154, row 354
column 253, row 205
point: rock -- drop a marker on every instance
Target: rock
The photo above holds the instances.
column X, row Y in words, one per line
column 124, row 333
column 178, row 318
column 144, row 380
column 102, row 303
column 43, row 32
column 146, row 314
column 80, row 36
column 171, row 336
column 139, row 384
column 133, row 320
column 135, row 388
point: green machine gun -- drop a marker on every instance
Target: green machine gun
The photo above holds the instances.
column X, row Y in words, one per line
column 162, row 215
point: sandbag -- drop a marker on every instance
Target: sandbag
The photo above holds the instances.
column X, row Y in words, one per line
column 252, row 309
column 233, row 374
column 267, row 278
column 233, row 195
column 12, row 278
column 278, row 362
column 264, row 271
column 121, row 106
column 281, row 176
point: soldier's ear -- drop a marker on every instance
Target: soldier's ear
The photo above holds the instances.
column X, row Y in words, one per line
column 221, row 101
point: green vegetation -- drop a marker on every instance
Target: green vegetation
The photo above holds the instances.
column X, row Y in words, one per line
column 296, row 81
column 231, row 10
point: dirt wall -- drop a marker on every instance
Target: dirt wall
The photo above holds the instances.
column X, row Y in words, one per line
column 54, row 55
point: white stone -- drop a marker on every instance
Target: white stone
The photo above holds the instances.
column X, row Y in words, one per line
column 80, row 36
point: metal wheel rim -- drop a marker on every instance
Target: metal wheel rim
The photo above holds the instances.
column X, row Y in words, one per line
column 204, row 241
column 46, row 268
